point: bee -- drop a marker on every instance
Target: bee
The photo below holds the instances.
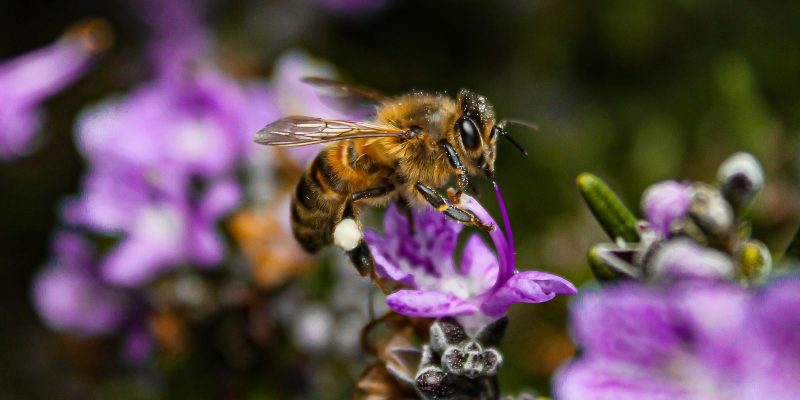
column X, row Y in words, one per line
column 414, row 144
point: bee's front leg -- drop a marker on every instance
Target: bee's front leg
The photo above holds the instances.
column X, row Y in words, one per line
column 442, row 204
column 462, row 179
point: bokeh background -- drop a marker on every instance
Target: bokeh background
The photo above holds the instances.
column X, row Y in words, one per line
column 635, row 91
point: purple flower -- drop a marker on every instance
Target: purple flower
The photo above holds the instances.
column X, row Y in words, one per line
column 69, row 297
column 177, row 36
column 690, row 340
column 193, row 126
column 162, row 174
column 27, row 80
column 664, row 203
column 683, row 258
column 484, row 284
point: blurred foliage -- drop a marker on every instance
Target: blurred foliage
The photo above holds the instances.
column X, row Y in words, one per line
column 634, row 91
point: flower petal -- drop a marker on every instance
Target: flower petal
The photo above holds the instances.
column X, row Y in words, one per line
column 135, row 261
column 68, row 298
column 683, row 258
column 426, row 254
column 426, row 304
column 505, row 253
column 385, row 265
column 589, row 379
column 664, row 203
column 479, row 264
column 221, row 198
column 628, row 322
column 526, row 287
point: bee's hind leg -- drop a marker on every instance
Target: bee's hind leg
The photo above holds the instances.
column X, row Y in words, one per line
column 443, row 205
column 347, row 234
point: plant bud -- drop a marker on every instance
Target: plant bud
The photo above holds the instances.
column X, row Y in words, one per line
column 741, row 178
column 754, row 262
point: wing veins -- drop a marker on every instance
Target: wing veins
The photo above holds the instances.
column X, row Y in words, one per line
column 300, row 131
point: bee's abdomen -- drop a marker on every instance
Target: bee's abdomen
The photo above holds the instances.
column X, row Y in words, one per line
column 317, row 204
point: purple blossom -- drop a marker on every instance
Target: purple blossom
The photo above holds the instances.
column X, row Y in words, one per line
column 683, row 258
column 689, row 340
column 28, row 80
column 69, row 297
column 484, row 284
column 664, row 203
column 162, row 175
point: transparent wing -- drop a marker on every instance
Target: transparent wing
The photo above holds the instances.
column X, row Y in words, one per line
column 344, row 90
column 301, row 131
column 347, row 98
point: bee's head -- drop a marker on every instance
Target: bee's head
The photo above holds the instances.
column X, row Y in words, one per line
column 475, row 131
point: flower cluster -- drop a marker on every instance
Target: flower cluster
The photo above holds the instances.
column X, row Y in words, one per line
column 165, row 163
column 691, row 340
column 692, row 230
column 685, row 327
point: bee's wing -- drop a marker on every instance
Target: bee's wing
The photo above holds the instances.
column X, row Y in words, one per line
column 344, row 90
column 301, row 131
column 345, row 97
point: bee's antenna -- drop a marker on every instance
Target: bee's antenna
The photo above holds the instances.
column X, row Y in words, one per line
column 502, row 129
column 521, row 123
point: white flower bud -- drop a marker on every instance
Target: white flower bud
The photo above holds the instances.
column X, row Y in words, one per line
column 741, row 177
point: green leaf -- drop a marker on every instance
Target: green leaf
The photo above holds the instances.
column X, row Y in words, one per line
column 607, row 208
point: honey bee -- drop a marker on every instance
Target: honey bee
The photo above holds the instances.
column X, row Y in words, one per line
column 414, row 144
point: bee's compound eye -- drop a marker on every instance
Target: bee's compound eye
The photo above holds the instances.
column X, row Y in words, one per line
column 469, row 133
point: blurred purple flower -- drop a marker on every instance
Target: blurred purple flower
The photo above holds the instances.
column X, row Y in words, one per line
column 69, row 297
column 664, row 203
column 178, row 38
column 683, row 258
column 423, row 260
column 163, row 171
column 28, row 80
column 692, row 340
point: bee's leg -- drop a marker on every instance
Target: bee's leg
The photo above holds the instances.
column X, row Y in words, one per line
column 462, row 180
column 442, row 204
column 347, row 234
column 371, row 193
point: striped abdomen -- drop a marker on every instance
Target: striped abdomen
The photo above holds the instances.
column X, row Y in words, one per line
column 325, row 188
column 316, row 207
